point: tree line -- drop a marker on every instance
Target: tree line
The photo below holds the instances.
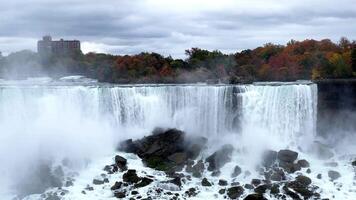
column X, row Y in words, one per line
column 308, row 59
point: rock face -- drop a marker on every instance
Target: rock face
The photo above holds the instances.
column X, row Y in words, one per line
column 220, row 158
column 164, row 150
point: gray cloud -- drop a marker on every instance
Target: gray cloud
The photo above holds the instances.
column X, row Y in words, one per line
column 170, row 27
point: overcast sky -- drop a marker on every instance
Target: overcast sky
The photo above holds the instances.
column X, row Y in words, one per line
column 171, row 26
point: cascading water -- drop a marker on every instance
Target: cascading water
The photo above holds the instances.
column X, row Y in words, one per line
column 80, row 122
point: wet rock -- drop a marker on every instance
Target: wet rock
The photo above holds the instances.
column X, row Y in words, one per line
column 275, row 189
column 308, row 170
column 120, row 195
column 269, row 158
column 303, row 180
column 262, row 188
column 300, row 187
column 164, row 150
column 353, row 163
column 177, row 181
column 287, row 156
column 237, row 171
column 121, row 163
column 289, row 167
column 277, row 175
column 144, row 182
column 249, row 186
column 222, row 191
column 108, row 169
column 89, row 188
column 255, row 197
column 319, row 176
column 178, row 158
column 303, row 163
column 130, row 176
column 235, row 192
column 134, row 192
column 205, row 182
column 116, row 186
column 256, row 182
column 333, row 175
column 222, row 182
column 220, row 158
column 191, row 192
column 98, row 181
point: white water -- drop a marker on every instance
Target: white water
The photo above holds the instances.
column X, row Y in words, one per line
column 50, row 122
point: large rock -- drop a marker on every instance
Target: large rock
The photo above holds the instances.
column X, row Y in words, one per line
column 130, row 176
column 353, row 163
column 164, row 149
column 287, row 156
column 220, row 157
column 235, row 192
column 121, row 162
column 255, row 197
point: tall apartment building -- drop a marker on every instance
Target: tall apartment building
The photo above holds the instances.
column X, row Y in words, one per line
column 47, row 46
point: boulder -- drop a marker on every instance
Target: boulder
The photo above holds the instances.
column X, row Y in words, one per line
column 220, row 158
column 116, row 186
column 235, row 192
column 287, row 156
column 255, row 197
column 303, row 163
column 130, row 176
column 165, row 149
column 121, row 162
column 303, row 180
column 333, row 175
column 120, row 195
column 237, row 171
column 222, row 191
column 98, row 181
column 222, row 182
column 262, row 188
column 144, row 182
column 205, row 182
column 353, row 163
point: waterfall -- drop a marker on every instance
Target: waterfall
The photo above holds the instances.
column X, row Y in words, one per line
column 42, row 122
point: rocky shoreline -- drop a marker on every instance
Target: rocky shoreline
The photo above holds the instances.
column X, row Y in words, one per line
column 178, row 171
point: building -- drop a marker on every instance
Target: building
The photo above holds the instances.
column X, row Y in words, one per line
column 47, row 46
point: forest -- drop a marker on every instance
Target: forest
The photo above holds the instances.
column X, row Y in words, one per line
column 308, row 59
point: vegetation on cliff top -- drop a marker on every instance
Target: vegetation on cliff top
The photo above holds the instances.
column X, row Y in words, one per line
column 308, row 59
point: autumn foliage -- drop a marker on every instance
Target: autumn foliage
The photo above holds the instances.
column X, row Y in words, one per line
column 308, row 59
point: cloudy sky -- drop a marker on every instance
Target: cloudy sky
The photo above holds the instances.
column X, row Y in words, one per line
column 171, row 26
